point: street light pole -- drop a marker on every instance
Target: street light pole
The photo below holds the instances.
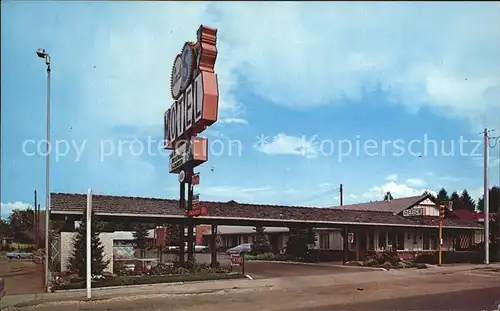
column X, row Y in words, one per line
column 44, row 55
column 486, row 201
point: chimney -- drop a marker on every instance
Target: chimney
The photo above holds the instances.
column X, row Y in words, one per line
column 388, row 196
column 450, row 206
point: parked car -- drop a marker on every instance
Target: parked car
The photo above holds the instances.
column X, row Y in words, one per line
column 242, row 248
column 19, row 255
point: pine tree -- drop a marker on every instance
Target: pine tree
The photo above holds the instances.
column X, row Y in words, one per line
column 261, row 243
column 173, row 235
column 457, row 202
column 466, row 202
column 494, row 200
column 77, row 262
column 442, row 196
column 140, row 235
column 298, row 241
column 428, row 193
column 388, row 196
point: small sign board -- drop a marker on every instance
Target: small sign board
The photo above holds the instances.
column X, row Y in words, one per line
column 197, row 212
column 413, row 212
column 196, row 198
column 236, row 260
column 195, row 180
column 350, row 237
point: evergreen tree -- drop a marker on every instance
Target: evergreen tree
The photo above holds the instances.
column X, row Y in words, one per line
column 261, row 243
column 466, row 202
column 428, row 193
column 77, row 262
column 457, row 202
column 298, row 241
column 140, row 235
column 173, row 237
column 494, row 201
column 388, row 196
column 442, row 196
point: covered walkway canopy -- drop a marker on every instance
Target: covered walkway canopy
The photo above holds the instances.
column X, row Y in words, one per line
column 155, row 210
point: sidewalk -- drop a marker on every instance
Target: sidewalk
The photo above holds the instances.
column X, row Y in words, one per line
column 235, row 285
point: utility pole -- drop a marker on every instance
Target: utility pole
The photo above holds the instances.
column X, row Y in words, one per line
column 440, row 231
column 46, row 57
column 341, row 195
column 35, row 221
column 486, row 201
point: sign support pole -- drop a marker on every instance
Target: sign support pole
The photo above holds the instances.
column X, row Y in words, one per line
column 182, row 207
column 190, row 218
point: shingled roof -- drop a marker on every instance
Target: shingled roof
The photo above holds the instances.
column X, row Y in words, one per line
column 394, row 206
column 63, row 203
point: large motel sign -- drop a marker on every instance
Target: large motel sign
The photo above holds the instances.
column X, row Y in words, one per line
column 195, row 92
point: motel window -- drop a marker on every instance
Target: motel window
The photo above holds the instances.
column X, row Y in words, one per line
column 381, row 239
column 434, row 241
column 371, row 240
column 426, row 241
column 400, row 241
column 245, row 239
column 324, row 240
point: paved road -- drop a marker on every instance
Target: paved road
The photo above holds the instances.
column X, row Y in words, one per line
column 21, row 276
column 261, row 270
column 408, row 291
column 468, row 300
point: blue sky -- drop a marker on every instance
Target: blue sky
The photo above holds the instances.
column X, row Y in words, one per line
column 292, row 85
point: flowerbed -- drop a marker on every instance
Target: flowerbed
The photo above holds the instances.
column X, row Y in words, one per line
column 79, row 283
column 162, row 273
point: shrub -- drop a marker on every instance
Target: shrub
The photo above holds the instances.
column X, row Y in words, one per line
column 263, row 256
column 147, row 279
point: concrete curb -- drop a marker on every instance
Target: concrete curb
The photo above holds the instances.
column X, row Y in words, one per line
column 105, row 293
column 320, row 265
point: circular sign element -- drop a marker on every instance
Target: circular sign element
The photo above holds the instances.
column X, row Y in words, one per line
column 176, row 79
column 182, row 176
column 187, row 65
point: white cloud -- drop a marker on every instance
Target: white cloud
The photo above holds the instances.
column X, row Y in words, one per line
column 288, row 145
column 7, row 208
column 397, row 191
column 325, row 185
column 450, row 63
column 392, row 177
column 476, row 193
column 233, row 121
column 352, row 196
column 415, row 182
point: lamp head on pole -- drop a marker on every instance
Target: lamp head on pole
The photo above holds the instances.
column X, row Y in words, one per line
column 43, row 54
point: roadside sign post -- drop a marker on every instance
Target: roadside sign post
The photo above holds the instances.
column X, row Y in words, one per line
column 238, row 260
column 194, row 89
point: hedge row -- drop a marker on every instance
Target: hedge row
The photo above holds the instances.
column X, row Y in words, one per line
column 149, row 279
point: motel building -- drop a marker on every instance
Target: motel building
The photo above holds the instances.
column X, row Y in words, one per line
column 409, row 225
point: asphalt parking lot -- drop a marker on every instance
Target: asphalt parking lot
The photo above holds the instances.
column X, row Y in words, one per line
column 260, row 270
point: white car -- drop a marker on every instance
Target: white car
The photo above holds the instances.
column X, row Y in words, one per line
column 242, row 248
column 197, row 248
